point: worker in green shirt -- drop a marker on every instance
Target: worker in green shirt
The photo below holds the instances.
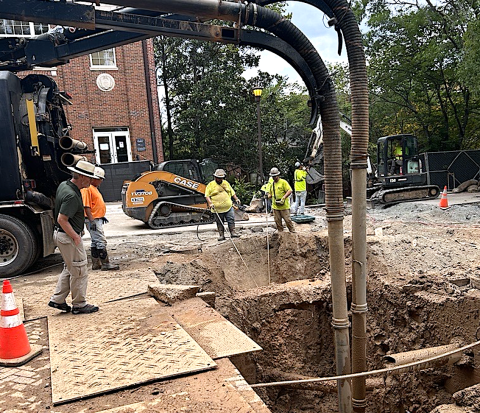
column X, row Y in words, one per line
column 280, row 190
column 300, row 185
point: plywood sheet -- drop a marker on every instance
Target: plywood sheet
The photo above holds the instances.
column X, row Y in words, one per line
column 125, row 343
column 217, row 336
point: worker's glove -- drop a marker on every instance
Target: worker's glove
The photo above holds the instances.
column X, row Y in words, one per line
column 212, row 209
column 105, row 220
column 238, row 202
column 93, row 226
column 280, row 201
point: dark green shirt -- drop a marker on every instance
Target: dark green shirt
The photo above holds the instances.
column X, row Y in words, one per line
column 68, row 201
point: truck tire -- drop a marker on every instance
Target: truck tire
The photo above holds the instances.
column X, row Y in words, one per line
column 18, row 246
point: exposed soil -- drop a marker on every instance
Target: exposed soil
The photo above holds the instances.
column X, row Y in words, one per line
column 420, row 261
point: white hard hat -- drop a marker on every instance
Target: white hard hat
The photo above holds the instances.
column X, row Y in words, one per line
column 220, row 173
column 297, row 164
column 99, row 173
column 274, row 172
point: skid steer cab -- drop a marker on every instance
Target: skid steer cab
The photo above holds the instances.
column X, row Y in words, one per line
column 170, row 196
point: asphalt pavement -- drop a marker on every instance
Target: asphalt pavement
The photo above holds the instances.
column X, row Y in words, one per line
column 121, row 225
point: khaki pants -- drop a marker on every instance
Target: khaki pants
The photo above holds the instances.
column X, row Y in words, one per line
column 74, row 277
column 278, row 214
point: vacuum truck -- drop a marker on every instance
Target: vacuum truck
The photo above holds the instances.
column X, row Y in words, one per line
column 35, row 151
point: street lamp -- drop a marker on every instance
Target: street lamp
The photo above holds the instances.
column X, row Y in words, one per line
column 257, row 92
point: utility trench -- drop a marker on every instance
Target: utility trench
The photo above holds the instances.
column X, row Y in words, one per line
column 286, row 307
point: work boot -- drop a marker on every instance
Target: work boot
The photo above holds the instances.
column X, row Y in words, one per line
column 221, row 234
column 233, row 234
column 106, row 266
column 96, row 263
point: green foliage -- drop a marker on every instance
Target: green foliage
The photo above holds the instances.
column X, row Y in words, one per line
column 418, row 75
column 213, row 113
column 243, row 189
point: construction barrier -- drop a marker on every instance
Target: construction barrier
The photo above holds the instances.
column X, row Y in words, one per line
column 15, row 348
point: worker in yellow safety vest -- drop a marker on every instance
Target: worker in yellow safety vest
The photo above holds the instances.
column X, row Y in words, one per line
column 300, row 186
column 219, row 196
column 397, row 161
column 280, row 191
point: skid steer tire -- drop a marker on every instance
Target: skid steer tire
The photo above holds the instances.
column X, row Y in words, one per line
column 18, row 246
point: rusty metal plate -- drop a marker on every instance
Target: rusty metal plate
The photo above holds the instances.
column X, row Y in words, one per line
column 124, row 344
column 217, row 336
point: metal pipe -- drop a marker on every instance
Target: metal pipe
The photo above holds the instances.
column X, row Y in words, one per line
column 206, row 9
column 359, row 291
column 259, row 130
column 151, row 115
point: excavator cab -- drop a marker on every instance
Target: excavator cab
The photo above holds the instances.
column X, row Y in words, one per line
column 190, row 169
column 399, row 172
column 398, row 156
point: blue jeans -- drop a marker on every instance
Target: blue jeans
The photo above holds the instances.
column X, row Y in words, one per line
column 299, row 204
column 228, row 216
column 99, row 241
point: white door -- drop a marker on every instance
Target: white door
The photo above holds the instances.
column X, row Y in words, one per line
column 112, row 146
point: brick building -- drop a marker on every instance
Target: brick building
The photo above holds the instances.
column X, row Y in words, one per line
column 115, row 103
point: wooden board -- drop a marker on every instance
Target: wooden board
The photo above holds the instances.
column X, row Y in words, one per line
column 124, row 344
column 217, row 336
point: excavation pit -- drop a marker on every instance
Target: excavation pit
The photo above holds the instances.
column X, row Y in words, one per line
column 288, row 312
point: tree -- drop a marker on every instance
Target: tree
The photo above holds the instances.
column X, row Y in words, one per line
column 415, row 53
column 211, row 111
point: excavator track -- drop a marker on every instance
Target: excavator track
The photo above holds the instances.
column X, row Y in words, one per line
column 164, row 216
column 411, row 193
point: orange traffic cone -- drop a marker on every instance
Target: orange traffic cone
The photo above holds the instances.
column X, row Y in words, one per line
column 443, row 199
column 15, row 349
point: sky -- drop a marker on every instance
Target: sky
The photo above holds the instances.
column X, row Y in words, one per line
column 313, row 23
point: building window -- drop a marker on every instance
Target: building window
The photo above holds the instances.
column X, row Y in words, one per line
column 112, row 145
column 23, row 29
column 103, row 60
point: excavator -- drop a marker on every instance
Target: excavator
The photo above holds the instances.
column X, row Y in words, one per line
column 172, row 195
column 398, row 176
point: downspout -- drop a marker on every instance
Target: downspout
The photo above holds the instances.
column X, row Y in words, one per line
column 148, row 80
